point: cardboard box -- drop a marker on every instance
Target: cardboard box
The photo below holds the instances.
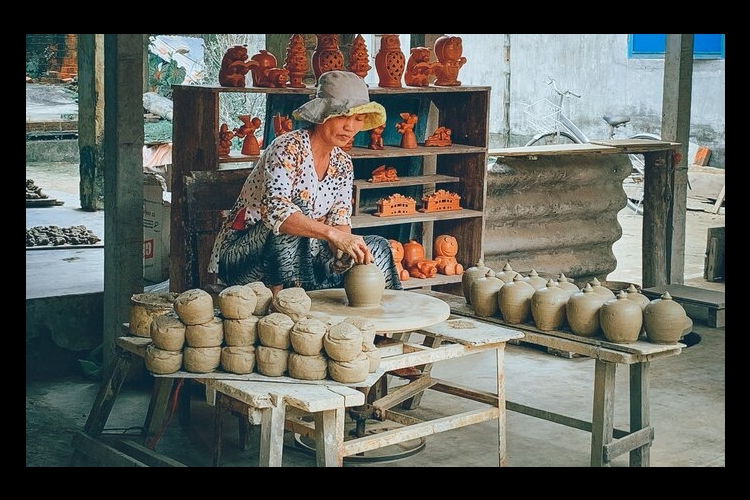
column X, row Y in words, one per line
column 156, row 228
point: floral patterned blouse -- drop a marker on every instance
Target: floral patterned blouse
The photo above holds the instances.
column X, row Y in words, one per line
column 285, row 172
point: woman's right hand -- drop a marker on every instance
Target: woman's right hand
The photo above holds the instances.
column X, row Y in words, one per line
column 353, row 245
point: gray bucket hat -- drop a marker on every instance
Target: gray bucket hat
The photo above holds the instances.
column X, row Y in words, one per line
column 341, row 93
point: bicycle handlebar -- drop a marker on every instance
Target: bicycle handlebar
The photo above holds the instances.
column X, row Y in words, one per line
column 567, row 93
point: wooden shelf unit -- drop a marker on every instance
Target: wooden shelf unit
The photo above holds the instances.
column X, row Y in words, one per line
column 459, row 168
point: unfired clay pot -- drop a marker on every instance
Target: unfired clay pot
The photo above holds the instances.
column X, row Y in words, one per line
column 364, row 285
column 597, row 286
column 621, row 319
column 548, row 306
column 514, row 300
column 582, row 311
column 471, row 274
column 535, row 280
column 484, row 295
column 664, row 320
column 507, row 274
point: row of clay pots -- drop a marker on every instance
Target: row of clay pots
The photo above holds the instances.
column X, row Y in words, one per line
column 590, row 311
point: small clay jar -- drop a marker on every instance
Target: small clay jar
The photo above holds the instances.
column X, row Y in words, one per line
column 471, row 274
column 484, row 295
column 535, row 280
column 514, row 300
column 364, row 285
column 597, row 286
column 582, row 311
column 548, row 306
column 664, row 320
column 621, row 319
column 564, row 283
column 507, row 274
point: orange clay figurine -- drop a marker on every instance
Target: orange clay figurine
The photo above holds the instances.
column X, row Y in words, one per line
column 415, row 261
column 398, row 255
column 250, row 145
column 446, row 248
column 225, row 140
column 406, row 128
column 376, row 137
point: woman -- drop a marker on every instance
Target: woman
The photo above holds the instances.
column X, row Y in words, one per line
column 291, row 224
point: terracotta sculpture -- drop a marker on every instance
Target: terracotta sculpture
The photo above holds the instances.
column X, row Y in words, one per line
column 445, row 250
column 398, row 255
column 250, row 146
column 282, row 124
column 225, row 139
column 359, row 58
column 418, row 68
column 441, row 200
column 448, row 50
column 406, row 128
column 415, row 261
column 327, row 55
column 441, row 137
column 396, row 204
column 384, row 174
column 266, row 74
column 390, row 62
column 376, row 137
column 234, row 67
column 296, row 62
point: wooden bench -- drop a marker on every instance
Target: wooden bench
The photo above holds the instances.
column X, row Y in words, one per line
column 607, row 442
column 692, row 296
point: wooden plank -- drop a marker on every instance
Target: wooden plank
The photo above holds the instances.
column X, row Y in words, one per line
column 719, row 201
column 715, row 267
column 103, row 453
column 145, row 455
column 556, row 150
column 688, row 294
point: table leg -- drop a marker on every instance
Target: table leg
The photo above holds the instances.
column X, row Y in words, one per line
column 329, row 437
column 502, row 445
column 413, row 402
column 640, row 404
column 602, row 421
column 272, row 432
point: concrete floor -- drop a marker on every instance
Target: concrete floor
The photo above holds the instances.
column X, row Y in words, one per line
column 687, row 391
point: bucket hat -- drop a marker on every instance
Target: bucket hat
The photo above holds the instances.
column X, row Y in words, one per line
column 341, row 93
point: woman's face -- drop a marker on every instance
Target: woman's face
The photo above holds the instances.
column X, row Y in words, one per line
column 340, row 130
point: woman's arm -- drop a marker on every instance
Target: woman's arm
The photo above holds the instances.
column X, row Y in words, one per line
column 338, row 237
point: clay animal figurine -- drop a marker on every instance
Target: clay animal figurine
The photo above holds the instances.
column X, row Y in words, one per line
column 415, row 261
column 282, row 124
column 406, row 128
column 376, row 137
column 234, row 66
column 266, row 74
column 398, row 255
column 418, row 68
column 384, row 174
column 250, row 146
column 445, row 250
column 225, row 139
column 441, row 137
column 448, row 50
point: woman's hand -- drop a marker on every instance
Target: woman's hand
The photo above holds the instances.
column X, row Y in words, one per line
column 351, row 244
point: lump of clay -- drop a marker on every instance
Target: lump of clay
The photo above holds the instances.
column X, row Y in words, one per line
column 238, row 359
column 209, row 334
column 168, row 332
column 366, row 326
column 201, row 359
column 343, row 342
column 194, row 306
column 271, row 362
column 241, row 332
column 293, row 302
column 308, row 367
column 349, row 372
column 264, row 295
column 307, row 336
column 274, row 330
column 162, row 362
column 237, row 302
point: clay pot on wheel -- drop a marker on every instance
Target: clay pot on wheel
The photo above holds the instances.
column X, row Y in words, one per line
column 364, row 285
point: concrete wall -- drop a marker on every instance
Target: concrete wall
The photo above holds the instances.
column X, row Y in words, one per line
column 597, row 67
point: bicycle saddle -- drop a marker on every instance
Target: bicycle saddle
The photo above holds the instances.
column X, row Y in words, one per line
column 616, row 121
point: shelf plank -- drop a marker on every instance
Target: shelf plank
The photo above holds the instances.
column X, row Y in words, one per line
column 369, row 220
column 438, row 279
column 414, row 180
column 421, row 150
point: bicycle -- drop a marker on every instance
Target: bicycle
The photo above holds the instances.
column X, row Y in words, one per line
column 555, row 127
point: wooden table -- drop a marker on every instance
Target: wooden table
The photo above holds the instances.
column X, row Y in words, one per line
column 606, row 441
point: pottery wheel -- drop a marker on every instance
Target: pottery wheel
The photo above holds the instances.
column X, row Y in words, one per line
column 399, row 310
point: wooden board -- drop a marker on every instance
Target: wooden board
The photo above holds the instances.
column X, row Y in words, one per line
column 46, row 202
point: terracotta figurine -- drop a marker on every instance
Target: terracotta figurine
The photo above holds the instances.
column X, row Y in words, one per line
column 398, row 255
column 296, row 62
column 441, row 137
column 448, row 50
column 250, row 146
column 445, row 250
column 225, row 139
column 234, row 67
column 415, row 261
column 390, row 62
column 359, row 59
column 376, row 137
column 327, row 55
column 384, row 174
column 406, row 128
column 418, row 68
column 266, row 74
column 282, row 124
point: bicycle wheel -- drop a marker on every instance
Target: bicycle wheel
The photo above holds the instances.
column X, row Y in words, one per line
column 633, row 183
column 548, row 138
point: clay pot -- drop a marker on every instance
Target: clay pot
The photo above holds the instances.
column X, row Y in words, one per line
column 471, row 274
column 484, row 295
column 664, row 320
column 582, row 311
column 514, row 300
column 507, row 274
column 548, row 306
column 597, row 286
column 364, row 285
column 535, row 280
column 564, row 283
column 621, row 319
